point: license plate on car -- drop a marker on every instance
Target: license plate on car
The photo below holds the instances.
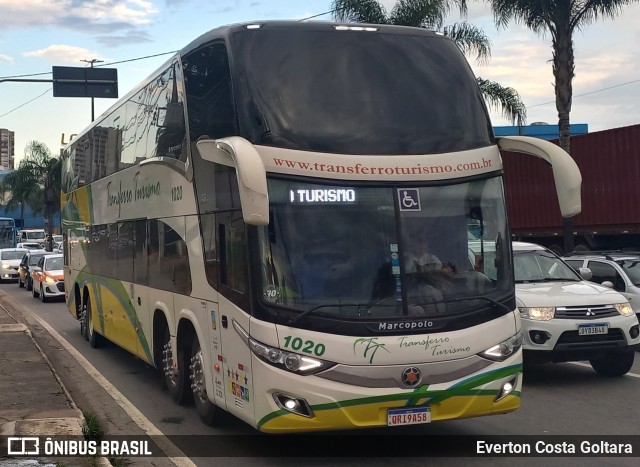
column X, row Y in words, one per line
column 408, row 416
column 594, row 328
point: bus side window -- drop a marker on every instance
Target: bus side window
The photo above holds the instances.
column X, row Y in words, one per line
column 208, row 87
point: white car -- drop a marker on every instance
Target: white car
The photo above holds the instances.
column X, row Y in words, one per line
column 30, row 246
column 9, row 261
column 565, row 318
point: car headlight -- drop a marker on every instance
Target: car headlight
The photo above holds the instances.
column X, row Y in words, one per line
column 6, row 266
column 538, row 313
column 50, row 280
column 503, row 350
column 289, row 361
column 624, row 309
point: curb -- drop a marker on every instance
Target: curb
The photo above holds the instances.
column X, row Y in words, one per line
column 61, row 426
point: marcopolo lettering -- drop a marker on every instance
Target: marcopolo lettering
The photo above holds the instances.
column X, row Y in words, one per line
column 392, row 326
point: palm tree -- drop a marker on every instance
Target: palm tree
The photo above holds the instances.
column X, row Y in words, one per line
column 561, row 19
column 431, row 14
column 43, row 172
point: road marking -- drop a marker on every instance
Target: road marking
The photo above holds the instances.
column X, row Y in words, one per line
column 586, row 365
column 174, row 454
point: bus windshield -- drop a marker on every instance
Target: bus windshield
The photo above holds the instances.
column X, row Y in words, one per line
column 339, row 100
column 357, row 252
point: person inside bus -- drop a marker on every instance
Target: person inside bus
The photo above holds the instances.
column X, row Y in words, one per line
column 417, row 258
column 425, row 268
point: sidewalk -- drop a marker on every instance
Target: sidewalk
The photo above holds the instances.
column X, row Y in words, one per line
column 33, row 400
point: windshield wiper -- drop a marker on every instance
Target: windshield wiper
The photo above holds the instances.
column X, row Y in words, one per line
column 482, row 297
column 558, row 279
column 326, row 305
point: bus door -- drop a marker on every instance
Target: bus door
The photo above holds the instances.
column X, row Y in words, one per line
column 233, row 291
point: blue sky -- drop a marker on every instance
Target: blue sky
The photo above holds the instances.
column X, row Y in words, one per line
column 38, row 34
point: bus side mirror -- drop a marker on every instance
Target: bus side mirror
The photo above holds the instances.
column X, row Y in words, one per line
column 566, row 173
column 239, row 153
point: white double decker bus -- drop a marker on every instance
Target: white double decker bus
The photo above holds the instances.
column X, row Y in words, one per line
column 290, row 221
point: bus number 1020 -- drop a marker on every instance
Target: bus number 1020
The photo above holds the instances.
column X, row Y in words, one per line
column 307, row 346
column 176, row 193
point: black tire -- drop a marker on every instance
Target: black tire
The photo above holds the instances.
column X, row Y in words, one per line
column 29, row 283
column 175, row 380
column 43, row 297
column 34, row 292
column 614, row 365
column 92, row 336
column 20, row 283
column 209, row 413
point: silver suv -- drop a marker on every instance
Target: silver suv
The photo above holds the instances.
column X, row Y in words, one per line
column 617, row 270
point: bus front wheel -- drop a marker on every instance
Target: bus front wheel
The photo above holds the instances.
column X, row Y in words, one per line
column 207, row 411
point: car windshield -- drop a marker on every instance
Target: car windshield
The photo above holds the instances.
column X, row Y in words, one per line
column 35, row 235
column 33, row 259
column 355, row 252
column 541, row 266
column 632, row 269
column 31, row 246
column 53, row 264
column 9, row 255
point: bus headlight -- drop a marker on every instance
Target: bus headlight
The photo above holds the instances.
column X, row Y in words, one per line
column 624, row 309
column 503, row 350
column 289, row 361
column 537, row 313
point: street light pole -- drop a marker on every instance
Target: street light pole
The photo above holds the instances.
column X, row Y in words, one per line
column 92, row 62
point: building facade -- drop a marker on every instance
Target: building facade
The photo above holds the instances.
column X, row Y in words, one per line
column 7, row 149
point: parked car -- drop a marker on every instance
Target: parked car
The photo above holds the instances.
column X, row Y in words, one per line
column 30, row 246
column 48, row 278
column 9, row 261
column 617, row 270
column 28, row 262
column 567, row 318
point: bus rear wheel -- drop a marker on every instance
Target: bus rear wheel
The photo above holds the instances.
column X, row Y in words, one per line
column 174, row 376
column 208, row 412
column 89, row 333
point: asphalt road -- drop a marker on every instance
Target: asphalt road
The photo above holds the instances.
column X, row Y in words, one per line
column 558, row 399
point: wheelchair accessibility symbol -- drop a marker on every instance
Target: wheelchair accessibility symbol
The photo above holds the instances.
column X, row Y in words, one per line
column 409, row 199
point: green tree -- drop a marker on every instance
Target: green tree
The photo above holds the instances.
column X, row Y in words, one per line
column 42, row 172
column 17, row 191
column 561, row 18
column 430, row 14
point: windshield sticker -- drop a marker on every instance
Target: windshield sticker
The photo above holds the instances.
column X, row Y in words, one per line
column 409, row 199
column 271, row 293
